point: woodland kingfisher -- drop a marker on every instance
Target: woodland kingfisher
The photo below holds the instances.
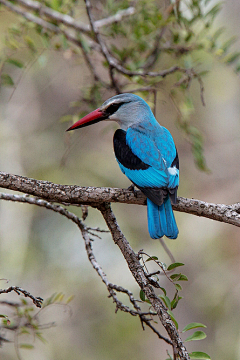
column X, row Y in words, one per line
column 146, row 154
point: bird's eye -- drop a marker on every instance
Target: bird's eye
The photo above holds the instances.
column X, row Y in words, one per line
column 113, row 108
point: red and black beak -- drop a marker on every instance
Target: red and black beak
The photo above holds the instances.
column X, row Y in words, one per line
column 92, row 118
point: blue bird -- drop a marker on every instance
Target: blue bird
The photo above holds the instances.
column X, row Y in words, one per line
column 146, row 154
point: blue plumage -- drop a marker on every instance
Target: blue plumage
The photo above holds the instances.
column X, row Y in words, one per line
column 146, row 154
column 153, row 145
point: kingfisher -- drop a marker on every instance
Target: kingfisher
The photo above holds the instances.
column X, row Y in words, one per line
column 146, row 154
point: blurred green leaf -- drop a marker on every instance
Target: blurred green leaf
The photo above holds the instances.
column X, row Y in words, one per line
column 173, row 318
column 193, row 325
column 178, row 287
column 231, row 58
column 142, row 295
column 6, row 80
column 166, row 301
column 163, row 290
column 26, row 346
column 179, row 277
column 199, row 355
column 15, row 62
column 197, row 335
column 174, row 265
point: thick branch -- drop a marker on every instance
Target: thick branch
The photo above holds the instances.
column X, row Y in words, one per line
column 77, row 195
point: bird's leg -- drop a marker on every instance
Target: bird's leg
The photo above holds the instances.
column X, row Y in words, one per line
column 131, row 187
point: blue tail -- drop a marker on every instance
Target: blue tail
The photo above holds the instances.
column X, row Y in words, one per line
column 161, row 220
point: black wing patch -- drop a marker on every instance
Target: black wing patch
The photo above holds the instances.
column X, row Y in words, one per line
column 128, row 159
column 176, row 161
column 158, row 195
column 124, row 153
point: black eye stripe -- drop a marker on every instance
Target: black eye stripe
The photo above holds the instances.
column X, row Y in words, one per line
column 113, row 108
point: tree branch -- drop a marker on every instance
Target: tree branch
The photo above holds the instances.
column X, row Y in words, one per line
column 143, row 282
column 77, row 195
column 88, row 246
column 69, row 21
column 36, row 300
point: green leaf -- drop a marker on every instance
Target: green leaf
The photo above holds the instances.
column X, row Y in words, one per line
column 142, row 295
column 163, row 290
column 26, row 346
column 179, row 277
column 166, row 301
column 152, row 258
column 174, row 265
column 197, row 335
column 173, row 318
column 15, row 62
column 199, row 355
column 69, row 299
column 229, row 59
column 6, row 80
column 30, row 43
column 178, row 287
column 183, row 278
column 228, row 43
column 175, row 301
column 193, row 325
column 40, row 337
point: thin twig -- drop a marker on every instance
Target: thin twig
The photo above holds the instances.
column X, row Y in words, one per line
column 36, row 300
column 88, row 245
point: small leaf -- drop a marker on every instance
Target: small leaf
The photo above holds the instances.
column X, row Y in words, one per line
column 152, row 258
column 178, row 287
column 199, row 355
column 166, row 301
column 175, row 301
column 179, row 277
column 26, row 346
column 6, row 80
column 193, row 325
column 183, row 278
column 69, row 299
column 163, row 290
column 173, row 318
column 174, row 265
column 40, row 337
column 15, row 62
column 232, row 57
column 197, row 335
column 142, row 295
column 175, row 277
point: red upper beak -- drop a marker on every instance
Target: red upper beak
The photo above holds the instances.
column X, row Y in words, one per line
column 92, row 118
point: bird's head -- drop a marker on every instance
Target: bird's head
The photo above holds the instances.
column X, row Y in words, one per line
column 126, row 109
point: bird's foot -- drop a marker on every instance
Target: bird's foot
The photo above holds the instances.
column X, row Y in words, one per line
column 131, row 187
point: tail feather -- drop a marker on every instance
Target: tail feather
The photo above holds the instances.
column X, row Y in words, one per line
column 161, row 220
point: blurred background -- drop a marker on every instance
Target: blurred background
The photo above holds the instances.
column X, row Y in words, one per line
column 44, row 253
